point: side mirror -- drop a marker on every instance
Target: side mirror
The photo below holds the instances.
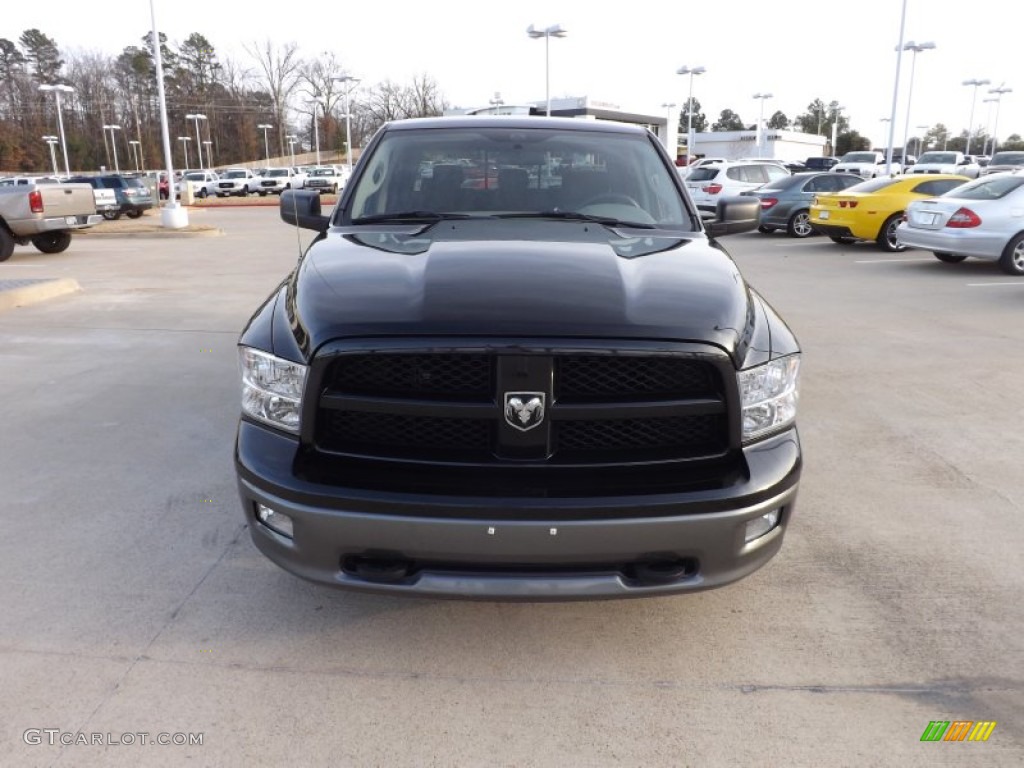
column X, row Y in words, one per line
column 301, row 208
column 735, row 215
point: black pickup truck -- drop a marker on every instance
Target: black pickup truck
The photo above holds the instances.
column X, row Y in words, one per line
column 516, row 364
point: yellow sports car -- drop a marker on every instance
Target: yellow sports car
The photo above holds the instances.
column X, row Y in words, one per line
column 872, row 209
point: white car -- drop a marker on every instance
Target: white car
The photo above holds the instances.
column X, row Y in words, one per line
column 710, row 183
column 202, row 183
column 238, row 181
column 947, row 162
column 326, row 178
column 277, row 180
column 983, row 218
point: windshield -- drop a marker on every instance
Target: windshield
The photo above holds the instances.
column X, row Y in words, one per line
column 322, row 172
column 871, row 186
column 946, row 158
column 987, row 188
column 493, row 170
column 859, row 157
column 195, row 176
column 1007, row 158
column 277, row 172
column 234, row 175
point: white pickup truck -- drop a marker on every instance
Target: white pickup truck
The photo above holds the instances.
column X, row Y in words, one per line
column 44, row 215
column 867, row 165
column 947, row 162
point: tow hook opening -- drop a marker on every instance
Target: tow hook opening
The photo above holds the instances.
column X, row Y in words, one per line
column 382, row 569
column 660, row 571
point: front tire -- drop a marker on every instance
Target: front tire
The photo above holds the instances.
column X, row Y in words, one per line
column 262, row 194
column 202, row 193
column 1012, row 260
column 134, row 214
column 887, row 235
column 52, row 242
column 948, row 258
column 111, row 215
column 799, row 224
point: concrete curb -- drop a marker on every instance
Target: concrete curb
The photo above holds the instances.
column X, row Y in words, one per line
column 19, row 293
column 158, row 232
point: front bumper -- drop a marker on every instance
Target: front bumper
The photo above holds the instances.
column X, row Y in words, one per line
column 557, row 549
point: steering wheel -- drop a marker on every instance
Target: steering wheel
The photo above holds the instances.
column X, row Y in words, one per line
column 611, row 197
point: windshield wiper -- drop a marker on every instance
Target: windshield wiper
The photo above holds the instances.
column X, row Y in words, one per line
column 577, row 216
column 410, row 216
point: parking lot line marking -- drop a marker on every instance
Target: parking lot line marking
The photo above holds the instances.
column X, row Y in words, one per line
column 988, row 285
column 890, row 261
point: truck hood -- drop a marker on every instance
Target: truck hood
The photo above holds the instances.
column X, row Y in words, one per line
column 518, row 279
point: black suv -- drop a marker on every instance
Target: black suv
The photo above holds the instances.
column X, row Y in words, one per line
column 512, row 365
column 820, row 163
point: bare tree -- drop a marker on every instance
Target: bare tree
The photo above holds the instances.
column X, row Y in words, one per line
column 277, row 69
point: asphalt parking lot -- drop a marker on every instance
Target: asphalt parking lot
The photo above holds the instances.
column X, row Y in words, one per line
column 134, row 601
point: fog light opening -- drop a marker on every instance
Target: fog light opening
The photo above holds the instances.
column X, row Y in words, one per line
column 762, row 525
column 278, row 522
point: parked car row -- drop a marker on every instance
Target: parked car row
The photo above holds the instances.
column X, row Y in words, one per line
column 242, row 182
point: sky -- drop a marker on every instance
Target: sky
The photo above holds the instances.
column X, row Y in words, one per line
column 623, row 53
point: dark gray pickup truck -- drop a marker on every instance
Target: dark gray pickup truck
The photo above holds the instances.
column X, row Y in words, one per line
column 516, row 364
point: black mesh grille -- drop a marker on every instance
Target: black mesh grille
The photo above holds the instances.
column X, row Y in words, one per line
column 629, row 377
column 683, row 435
column 448, row 375
column 349, row 431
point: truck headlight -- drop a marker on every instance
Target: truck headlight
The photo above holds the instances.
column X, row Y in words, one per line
column 768, row 394
column 271, row 388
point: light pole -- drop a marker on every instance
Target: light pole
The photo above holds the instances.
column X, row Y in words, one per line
column 555, row 30
column 691, row 71
column 266, row 146
column 57, row 91
column 895, row 91
column 920, row 139
column 316, row 132
column 52, row 141
column 209, row 153
column 668, row 122
column 113, row 142
column 760, row 121
column 835, row 126
column 497, row 102
column 970, row 125
column 136, row 152
column 184, row 143
column 172, row 215
column 916, row 48
column 291, row 146
column 999, row 97
column 348, row 116
column 199, row 149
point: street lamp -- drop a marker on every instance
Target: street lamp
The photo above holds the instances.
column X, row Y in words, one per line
column 970, row 125
column 266, row 146
column 57, row 91
column 547, row 33
column 52, row 141
column 113, row 142
column 348, row 116
column 497, row 102
column 199, row 150
column 999, row 97
column 835, row 126
column 184, row 143
column 137, row 153
column 916, row 48
column 668, row 120
column 209, row 153
column 316, row 130
column 291, row 146
column 691, row 71
column 920, row 139
column 760, row 121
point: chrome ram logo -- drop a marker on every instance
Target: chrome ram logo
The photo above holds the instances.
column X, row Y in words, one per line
column 524, row 410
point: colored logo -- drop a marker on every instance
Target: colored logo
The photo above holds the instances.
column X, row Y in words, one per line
column 958, row 730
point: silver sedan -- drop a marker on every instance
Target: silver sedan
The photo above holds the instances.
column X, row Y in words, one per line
column 983, row 219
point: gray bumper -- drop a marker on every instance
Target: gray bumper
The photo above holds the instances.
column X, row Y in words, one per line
column 56, row 223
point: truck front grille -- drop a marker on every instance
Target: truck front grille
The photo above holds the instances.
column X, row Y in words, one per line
column 449, row 408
